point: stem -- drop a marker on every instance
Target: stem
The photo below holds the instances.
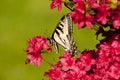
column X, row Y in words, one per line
column 48, row 62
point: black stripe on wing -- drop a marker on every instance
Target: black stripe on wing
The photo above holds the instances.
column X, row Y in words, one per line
column 60, row 27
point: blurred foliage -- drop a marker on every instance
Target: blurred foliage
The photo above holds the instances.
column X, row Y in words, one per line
column 19, row 21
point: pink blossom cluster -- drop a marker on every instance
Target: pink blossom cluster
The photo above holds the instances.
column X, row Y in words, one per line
column 91, row 12
column 103, row 64
column 36, row 46
column 100, row 64
column 115, row 19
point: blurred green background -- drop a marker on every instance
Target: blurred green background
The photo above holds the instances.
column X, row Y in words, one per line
column 19, row 21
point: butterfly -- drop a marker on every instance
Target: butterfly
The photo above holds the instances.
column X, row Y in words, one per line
column 62, row 35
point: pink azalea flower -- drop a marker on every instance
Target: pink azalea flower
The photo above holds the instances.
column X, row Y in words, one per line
column 79, row 16
column 114, row 70
column 108, row 62
column 86, row 59
column 54, row 73
column 103, row 64
column 79, row 6
column 93, row 3
column 67, row 61
column 82, row 20
column 36, row 45
column 56, row 3
column 100, row 64
column 115, row 14
column 116, row 23
column 102, row 14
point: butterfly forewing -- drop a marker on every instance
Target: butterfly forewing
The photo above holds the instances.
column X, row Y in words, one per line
column 62, row 34
column 63, row 31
